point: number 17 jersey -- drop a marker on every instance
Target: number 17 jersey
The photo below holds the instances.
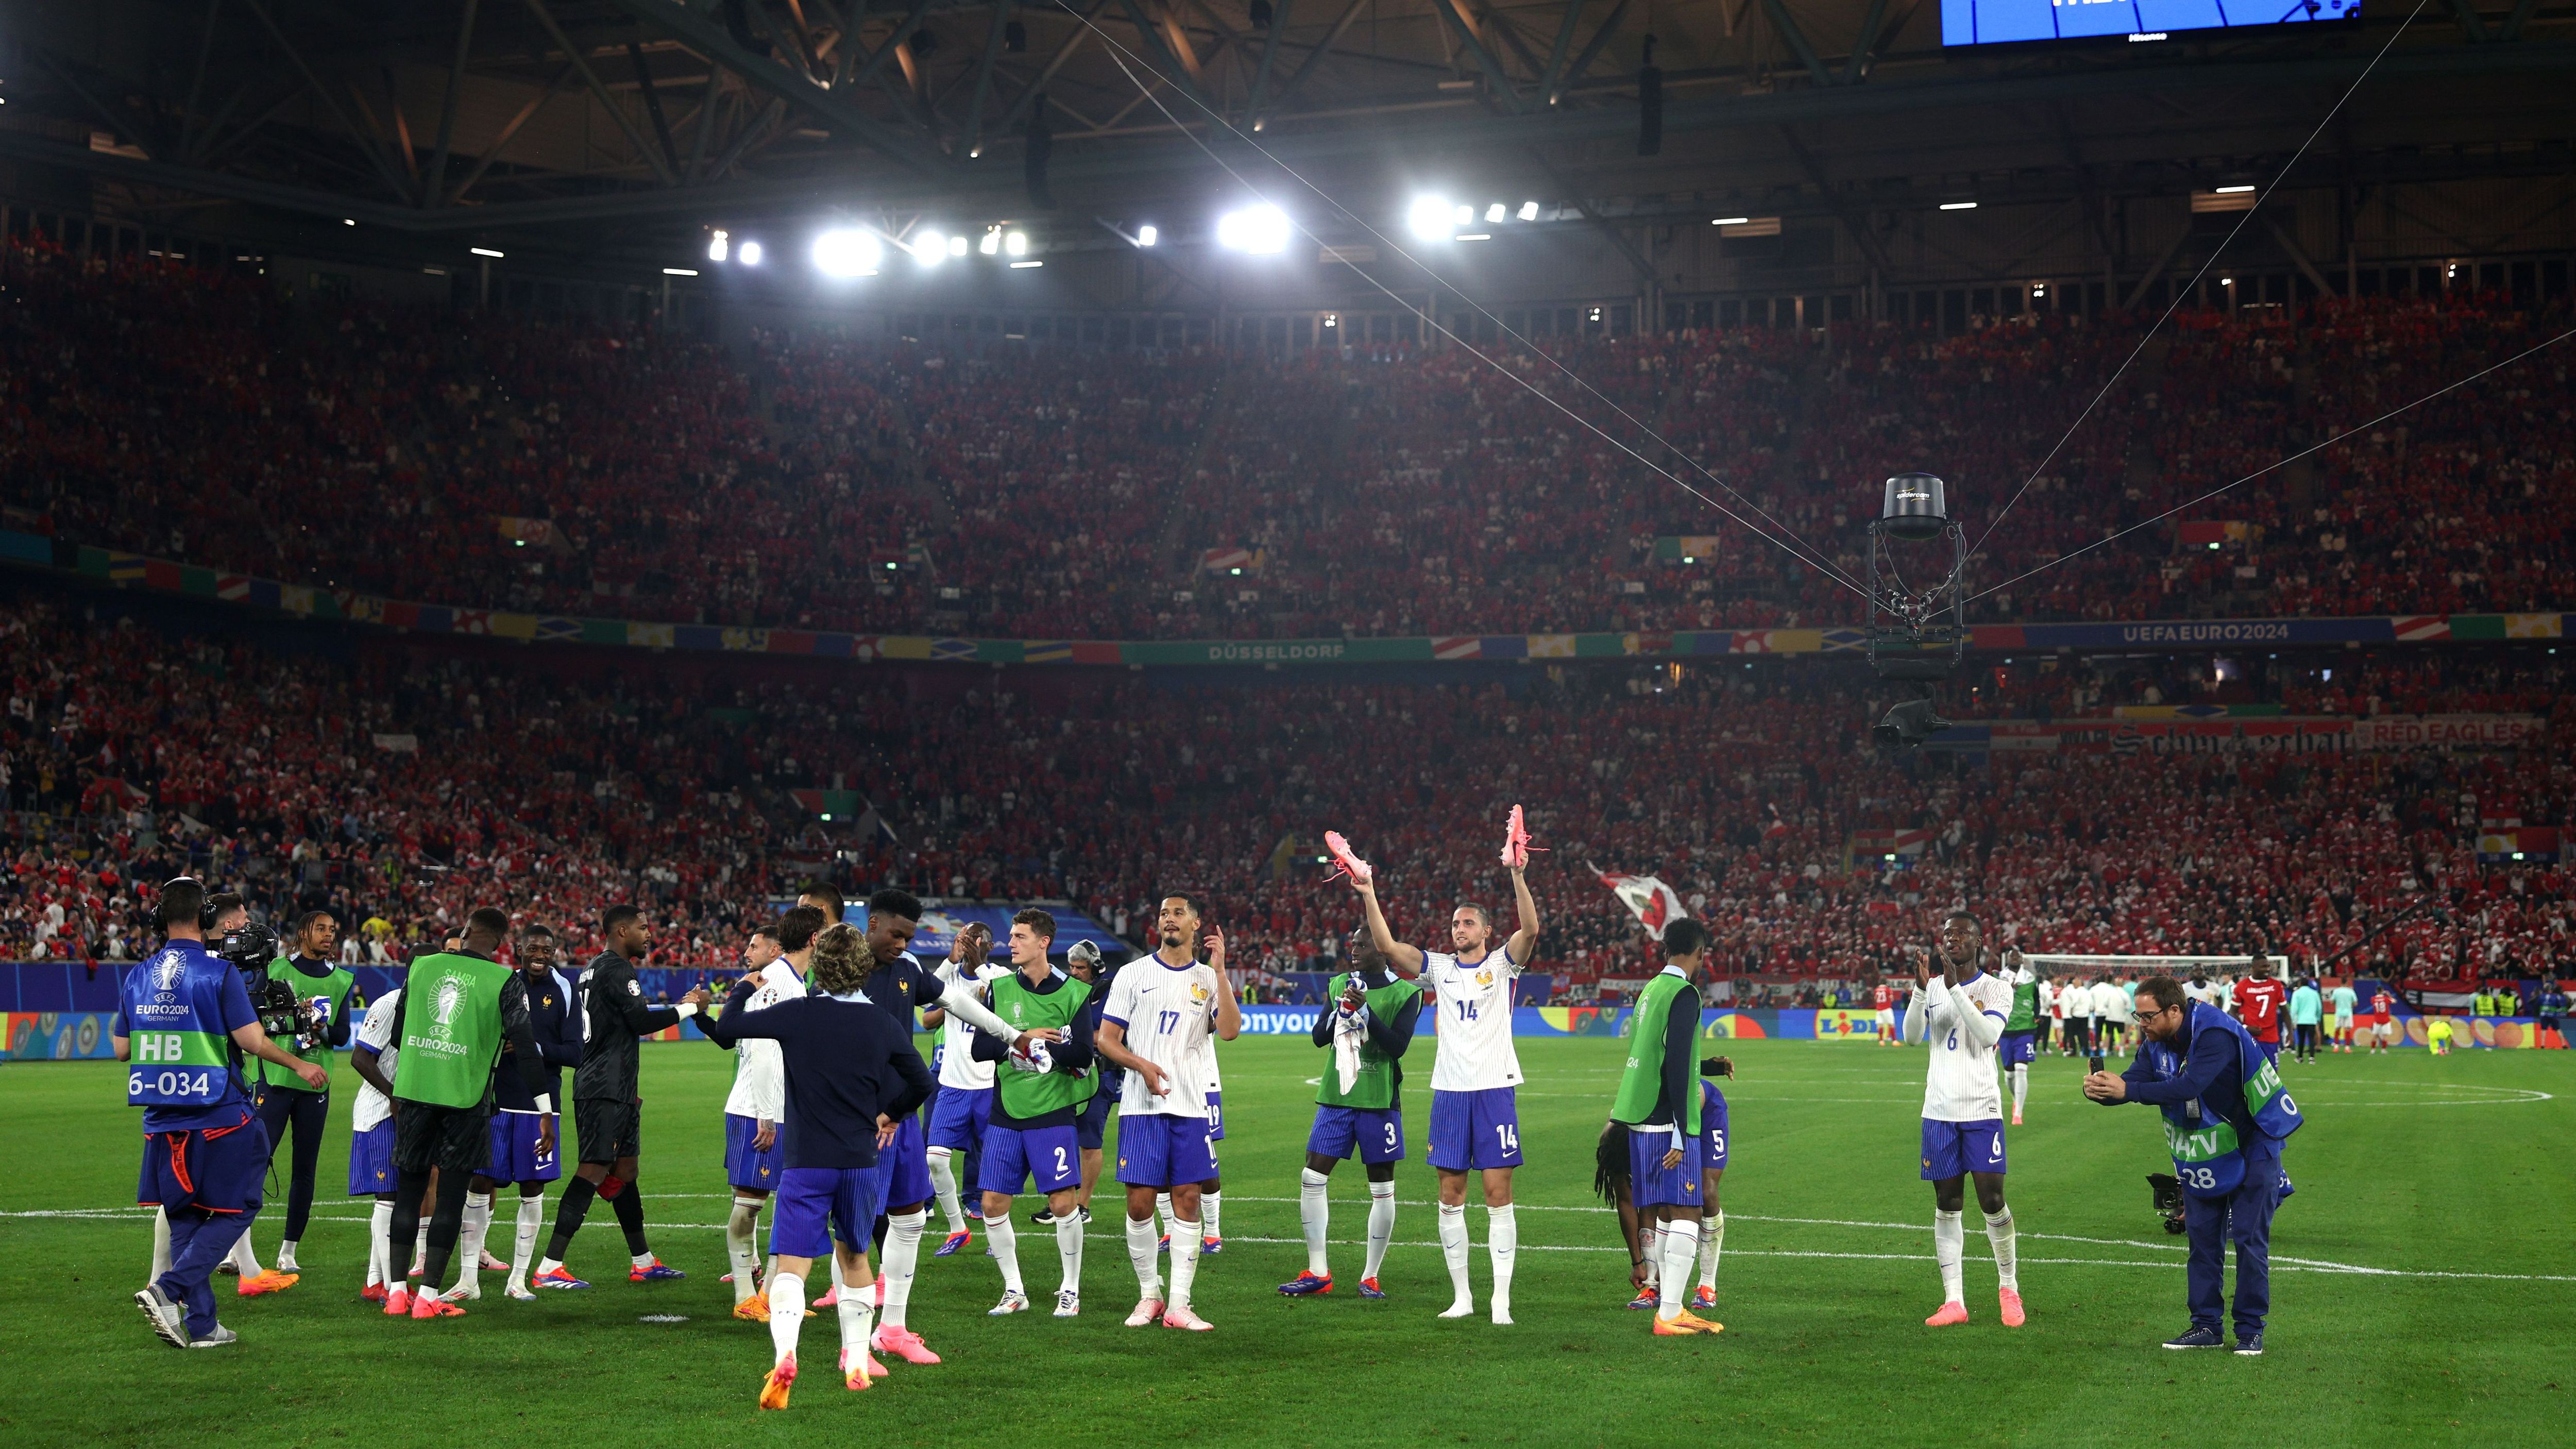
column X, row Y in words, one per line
column 1475, row 1052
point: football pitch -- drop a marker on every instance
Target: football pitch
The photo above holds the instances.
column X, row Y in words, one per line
column 2423, row 1277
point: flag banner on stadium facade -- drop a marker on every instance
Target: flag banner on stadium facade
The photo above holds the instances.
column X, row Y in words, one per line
column 1650, row 900
column 2244, row 732
column 138, row 571
column 2519, row 845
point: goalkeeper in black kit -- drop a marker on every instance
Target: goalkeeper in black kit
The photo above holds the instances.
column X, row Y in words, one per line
column 606, row 1110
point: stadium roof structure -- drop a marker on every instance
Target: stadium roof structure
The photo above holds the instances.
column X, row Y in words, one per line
column 616, row 123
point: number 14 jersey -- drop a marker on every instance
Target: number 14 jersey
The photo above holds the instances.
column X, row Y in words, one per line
column 1475, row 1033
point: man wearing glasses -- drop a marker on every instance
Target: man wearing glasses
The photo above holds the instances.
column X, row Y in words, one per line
column 2226, row 1117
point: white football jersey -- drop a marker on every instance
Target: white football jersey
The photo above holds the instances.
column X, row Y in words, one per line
column 1960, row 1085
column 1167, row 1015
column 957, row 1065
column 376, row 1032
column 1475, row 1032
column 760, row 1073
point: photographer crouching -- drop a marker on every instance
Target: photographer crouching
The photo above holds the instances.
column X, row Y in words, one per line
column 2226, row 1118
column 186, row 1022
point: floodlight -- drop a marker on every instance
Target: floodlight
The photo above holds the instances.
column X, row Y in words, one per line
column 1261, row 230
column 748, row 254
column 1146, row 235
column 717, row 247
column 1428, row 218
column 847, row 252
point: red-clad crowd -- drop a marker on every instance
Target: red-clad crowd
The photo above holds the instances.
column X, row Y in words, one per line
column 491, row 461
column 402, row 784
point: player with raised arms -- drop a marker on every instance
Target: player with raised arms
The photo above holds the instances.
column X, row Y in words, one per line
column 1962, row 1011
column 1160, row 1007
column 1358, row 1109
column 850, row 1075
column 1030, row 1136
column 1475, row 1115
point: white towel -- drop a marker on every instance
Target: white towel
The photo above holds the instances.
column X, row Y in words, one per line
column 1348, row 1030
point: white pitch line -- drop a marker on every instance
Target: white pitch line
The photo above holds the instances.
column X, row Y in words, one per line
column 2282, row 1263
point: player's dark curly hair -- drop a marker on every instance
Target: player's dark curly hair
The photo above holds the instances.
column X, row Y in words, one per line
column 842, row 961
column 1610, row 1163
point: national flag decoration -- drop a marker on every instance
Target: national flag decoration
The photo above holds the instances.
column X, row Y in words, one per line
column 2533, row 626
column 473, row 621
column 1218, row 560
column 1650, row 900
column 531, row 532
column 232, row 586
column 553, row 627
column 1675, row 548
column 952, row 648
column 2208, row 534
column 2518, row 845
column 1459, row 647
column 2417, row 628
column 1047, row 651
column 1551, row 646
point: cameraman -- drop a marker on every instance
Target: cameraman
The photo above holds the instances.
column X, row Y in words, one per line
column 2226, row 1118
column 319, row 989
column 185, row 1021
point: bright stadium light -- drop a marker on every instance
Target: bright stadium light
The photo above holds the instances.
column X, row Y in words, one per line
column 1730, row 221
column 990, row 242
column 1529, row 211
column 1958, row 206
column 1464, row 214
column 1146, row 235
column 748, row 254
column 717, row 247
column 932, row 249
column 485, row 252
column 1496, row 212
column 1016, row 243
column 1428, row 218
column 957, row 246
column 1261, row 230
column 848, row 252
column 679, row 271
column 2239, row 190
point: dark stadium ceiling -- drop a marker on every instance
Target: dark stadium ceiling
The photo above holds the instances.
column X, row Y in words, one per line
column 609, row 123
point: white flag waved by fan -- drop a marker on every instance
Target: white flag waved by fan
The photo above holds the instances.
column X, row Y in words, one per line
column 1650, row 900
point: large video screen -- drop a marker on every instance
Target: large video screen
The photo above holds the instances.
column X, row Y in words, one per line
column 2014, row 22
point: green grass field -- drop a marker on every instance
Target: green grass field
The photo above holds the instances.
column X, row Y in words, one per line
column 2423, row 1283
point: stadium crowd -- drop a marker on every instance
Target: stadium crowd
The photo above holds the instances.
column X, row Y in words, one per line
column 1033, row 491
column 401, row 782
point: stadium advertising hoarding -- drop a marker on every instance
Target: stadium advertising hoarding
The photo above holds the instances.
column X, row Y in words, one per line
column 133, row 570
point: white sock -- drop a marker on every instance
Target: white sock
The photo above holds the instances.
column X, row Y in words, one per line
column 532, row 1217
column 160, row 1244
column 2021, row 1085
column 1712, row 1241
column 943, row 1185
column 1650, row 1251
column 643, row 1260
column 1140, row 1252
column 786, row 1314
column 1185, row 1261
column 1949, row 1244
column 469, row 1243
column 1681, row 1244
column 286, row 1257
column 243, row 1258
column 379, row 1222
column 1068, row 1249
column 1163, row 1211
column 419, row 1247
column 739, row 1227
column 548, row 1265
column 1207, row 1215
column 1315, row 1215
column 1004, row 1238
column 1453, row 1250
column 1502, row 1245
column 902, row 1256
column 1381, row 1225
column 856, row 1311
column 1999, row 1231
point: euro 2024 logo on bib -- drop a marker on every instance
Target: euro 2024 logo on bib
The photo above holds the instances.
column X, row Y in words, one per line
column 167, row 968
column 443, row 1006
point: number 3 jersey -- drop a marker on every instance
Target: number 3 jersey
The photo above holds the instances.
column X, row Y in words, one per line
column 1961, row 1085
column 1475, row 1034
column 1166, row 1013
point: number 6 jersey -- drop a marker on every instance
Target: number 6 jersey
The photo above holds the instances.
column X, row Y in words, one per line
column 1475, row 1034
